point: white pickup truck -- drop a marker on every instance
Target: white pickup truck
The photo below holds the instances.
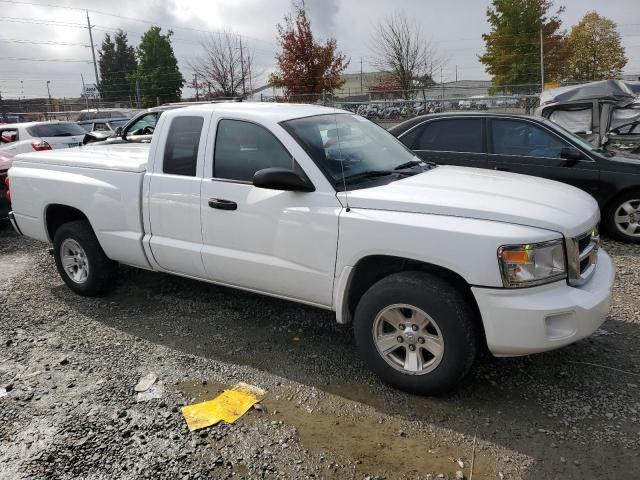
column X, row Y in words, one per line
column 323, row 207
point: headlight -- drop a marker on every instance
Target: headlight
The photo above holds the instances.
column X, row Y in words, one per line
column 532, row 264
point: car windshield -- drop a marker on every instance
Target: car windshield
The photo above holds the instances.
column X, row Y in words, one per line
column 349, row 145
column 55, row 130
column 117, row 123
column 576, row 138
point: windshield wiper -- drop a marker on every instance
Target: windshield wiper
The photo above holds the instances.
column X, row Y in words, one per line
column 409, row 164
column 367, row 174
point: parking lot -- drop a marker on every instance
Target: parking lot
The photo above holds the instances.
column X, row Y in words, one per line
column 70, row 363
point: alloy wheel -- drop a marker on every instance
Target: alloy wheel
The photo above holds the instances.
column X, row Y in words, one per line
column 408, row 339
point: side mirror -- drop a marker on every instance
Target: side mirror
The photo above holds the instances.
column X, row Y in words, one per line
column 118, row 131
column 282, row 179
column 571, row 154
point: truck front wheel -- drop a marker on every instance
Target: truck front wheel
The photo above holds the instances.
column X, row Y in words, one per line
column 416, row 332
column 81, row 262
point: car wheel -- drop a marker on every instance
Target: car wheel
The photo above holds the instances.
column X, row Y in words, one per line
column 622, row 217
column 81, row 262
column 417, row 332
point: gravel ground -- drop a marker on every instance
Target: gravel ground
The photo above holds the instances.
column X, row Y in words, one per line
column 70, row 364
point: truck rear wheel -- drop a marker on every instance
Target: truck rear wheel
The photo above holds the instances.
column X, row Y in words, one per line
column 81, row 262
column 416, row 332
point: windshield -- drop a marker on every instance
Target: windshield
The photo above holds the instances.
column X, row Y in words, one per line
column 576, row 138
column 350, row 144
column 55, row 130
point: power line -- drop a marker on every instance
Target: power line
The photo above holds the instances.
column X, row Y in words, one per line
column 43, row 42
column 24, row 59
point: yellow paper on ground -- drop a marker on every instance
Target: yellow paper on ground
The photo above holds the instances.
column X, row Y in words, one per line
column 229, row 406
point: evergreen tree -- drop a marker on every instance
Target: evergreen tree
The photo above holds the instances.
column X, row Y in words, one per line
column 117, row 66
column 158, row 73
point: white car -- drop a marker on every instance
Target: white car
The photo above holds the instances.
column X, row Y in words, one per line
column 323, row 207
column 38, row 136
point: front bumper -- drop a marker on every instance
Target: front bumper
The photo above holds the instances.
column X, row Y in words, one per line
column 537, row 319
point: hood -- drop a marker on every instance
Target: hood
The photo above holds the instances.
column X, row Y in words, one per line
column 487, row 195
column 123, row 157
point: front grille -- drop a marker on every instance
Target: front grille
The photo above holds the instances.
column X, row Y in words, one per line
column 582, row 256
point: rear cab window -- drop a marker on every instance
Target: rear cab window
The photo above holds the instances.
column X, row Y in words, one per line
column 181, row 149
column 48, row 130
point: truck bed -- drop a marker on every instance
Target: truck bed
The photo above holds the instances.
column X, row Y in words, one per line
column 119, row 157
column 103, row 182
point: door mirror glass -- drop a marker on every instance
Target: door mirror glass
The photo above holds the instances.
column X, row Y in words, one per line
column 571, row 153
column 282, row 179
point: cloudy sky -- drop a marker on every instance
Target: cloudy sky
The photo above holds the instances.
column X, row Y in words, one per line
column 49, row 42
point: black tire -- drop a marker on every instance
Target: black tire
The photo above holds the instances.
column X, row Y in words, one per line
column 446, row 306
column 609, row 214
column 101, row 270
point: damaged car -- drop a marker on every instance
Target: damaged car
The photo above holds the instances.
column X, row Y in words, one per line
column 605, row 113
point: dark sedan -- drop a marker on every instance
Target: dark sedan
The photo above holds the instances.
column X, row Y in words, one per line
column 532, row 146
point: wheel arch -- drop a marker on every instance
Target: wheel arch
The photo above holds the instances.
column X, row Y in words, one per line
column 371, row 269
column 56, row 215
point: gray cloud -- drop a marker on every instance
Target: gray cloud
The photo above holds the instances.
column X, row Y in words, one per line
column 454, row 26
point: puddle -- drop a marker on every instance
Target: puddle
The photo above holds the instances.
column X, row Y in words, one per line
column 372, row 441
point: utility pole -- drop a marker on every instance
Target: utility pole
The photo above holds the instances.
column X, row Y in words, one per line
column 195, row 81
column 46, row 115
column 541, row 63
column 442, row 86
column 456, row 74
column 138, row 92
column 93, row 52
column 361, row 83
column 244, row 91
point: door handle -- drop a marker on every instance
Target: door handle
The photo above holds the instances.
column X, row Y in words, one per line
column 222, row 204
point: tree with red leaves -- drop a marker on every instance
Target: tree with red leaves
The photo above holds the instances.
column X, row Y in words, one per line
column 306, row 68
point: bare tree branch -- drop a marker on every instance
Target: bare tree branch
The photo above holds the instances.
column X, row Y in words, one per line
column 399, row 47
column 225, row 69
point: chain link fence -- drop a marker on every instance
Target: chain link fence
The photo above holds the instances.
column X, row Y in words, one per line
column 381, row 106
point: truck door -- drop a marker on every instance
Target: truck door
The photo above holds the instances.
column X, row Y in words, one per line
column 175, row 237
column 277, row 242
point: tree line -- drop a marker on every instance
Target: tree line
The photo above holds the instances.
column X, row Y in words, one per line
column 591, row 50
column 307, row 68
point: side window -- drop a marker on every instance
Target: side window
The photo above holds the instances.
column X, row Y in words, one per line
column 181, row 150
column 454, row 135
column 512, row 137
column 243, row 148
column 100, row 127
column 144, row 125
